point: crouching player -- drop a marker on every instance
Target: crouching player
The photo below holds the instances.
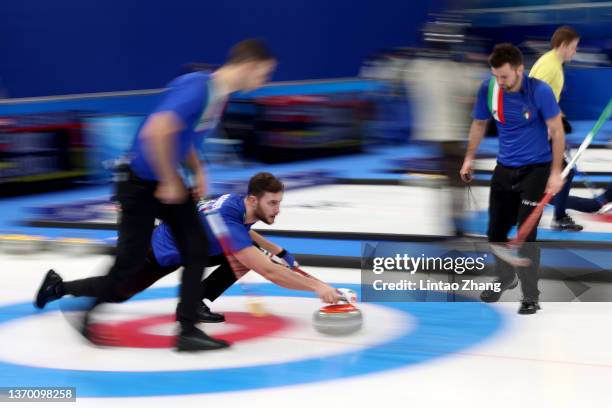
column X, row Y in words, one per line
column 233, row 248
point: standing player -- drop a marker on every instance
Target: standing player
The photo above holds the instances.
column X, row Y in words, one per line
column 526, row 112
column 549, row 68
column 150, row 186
column 227, row 221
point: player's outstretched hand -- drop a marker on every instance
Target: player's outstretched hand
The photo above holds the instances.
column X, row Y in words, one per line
column 328, row 294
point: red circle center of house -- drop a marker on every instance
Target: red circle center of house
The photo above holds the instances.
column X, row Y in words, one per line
column 133, row 333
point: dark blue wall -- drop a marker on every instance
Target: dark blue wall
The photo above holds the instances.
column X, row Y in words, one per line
column 74, row 46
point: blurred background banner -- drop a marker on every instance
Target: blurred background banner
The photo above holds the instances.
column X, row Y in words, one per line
column 42, row 151
column 364, row 93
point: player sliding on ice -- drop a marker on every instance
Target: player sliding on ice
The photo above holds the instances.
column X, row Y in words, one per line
column 228, row 221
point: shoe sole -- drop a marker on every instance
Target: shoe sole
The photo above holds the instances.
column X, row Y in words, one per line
column 212, row 321
column 529, row 312
column 189, row 346
column 557, row 228
column 491, row 299
column 204, row 321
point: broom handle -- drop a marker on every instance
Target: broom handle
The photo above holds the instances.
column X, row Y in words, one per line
column 534, row 218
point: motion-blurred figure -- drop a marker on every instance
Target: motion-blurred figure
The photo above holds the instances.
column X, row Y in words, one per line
column 151, row 187
column 442, row 82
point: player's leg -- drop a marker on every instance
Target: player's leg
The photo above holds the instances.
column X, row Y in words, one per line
column 533, row 186
column 139, row 208
column 54, row 287
column 586, row 205
column 138, row 211
column 148, row 273
column 503, row 211
column 222, row 278
column 561, row 220
column 606, row 197
column 190, row 236
column 590, row 205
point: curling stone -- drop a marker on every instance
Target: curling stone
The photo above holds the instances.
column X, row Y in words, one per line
column 21, row 244
column 339, row 319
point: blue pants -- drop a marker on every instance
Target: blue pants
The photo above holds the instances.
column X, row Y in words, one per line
column 589, row 205
column 560, row 199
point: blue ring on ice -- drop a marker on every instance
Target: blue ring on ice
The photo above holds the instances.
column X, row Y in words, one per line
column 440, row 329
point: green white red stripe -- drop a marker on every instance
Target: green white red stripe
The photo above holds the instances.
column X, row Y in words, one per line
column 496, row 101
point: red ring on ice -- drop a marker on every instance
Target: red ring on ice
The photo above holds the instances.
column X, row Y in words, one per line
column 602, row 217
column 132, row 333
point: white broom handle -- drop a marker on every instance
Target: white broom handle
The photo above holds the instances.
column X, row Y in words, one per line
column 588, row 139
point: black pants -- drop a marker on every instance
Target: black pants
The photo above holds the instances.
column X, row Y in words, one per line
column 139, row 209
column 514, row 194
column 150, row 272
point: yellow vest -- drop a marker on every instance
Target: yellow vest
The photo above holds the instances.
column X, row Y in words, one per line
column 549, row 69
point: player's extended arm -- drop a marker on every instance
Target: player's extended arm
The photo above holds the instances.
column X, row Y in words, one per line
column 255, row 260
column 264, row 243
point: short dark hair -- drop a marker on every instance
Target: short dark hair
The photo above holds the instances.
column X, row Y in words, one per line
column 262, row 183
column 562, row 35
column 249, row 50
column 505, row 53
